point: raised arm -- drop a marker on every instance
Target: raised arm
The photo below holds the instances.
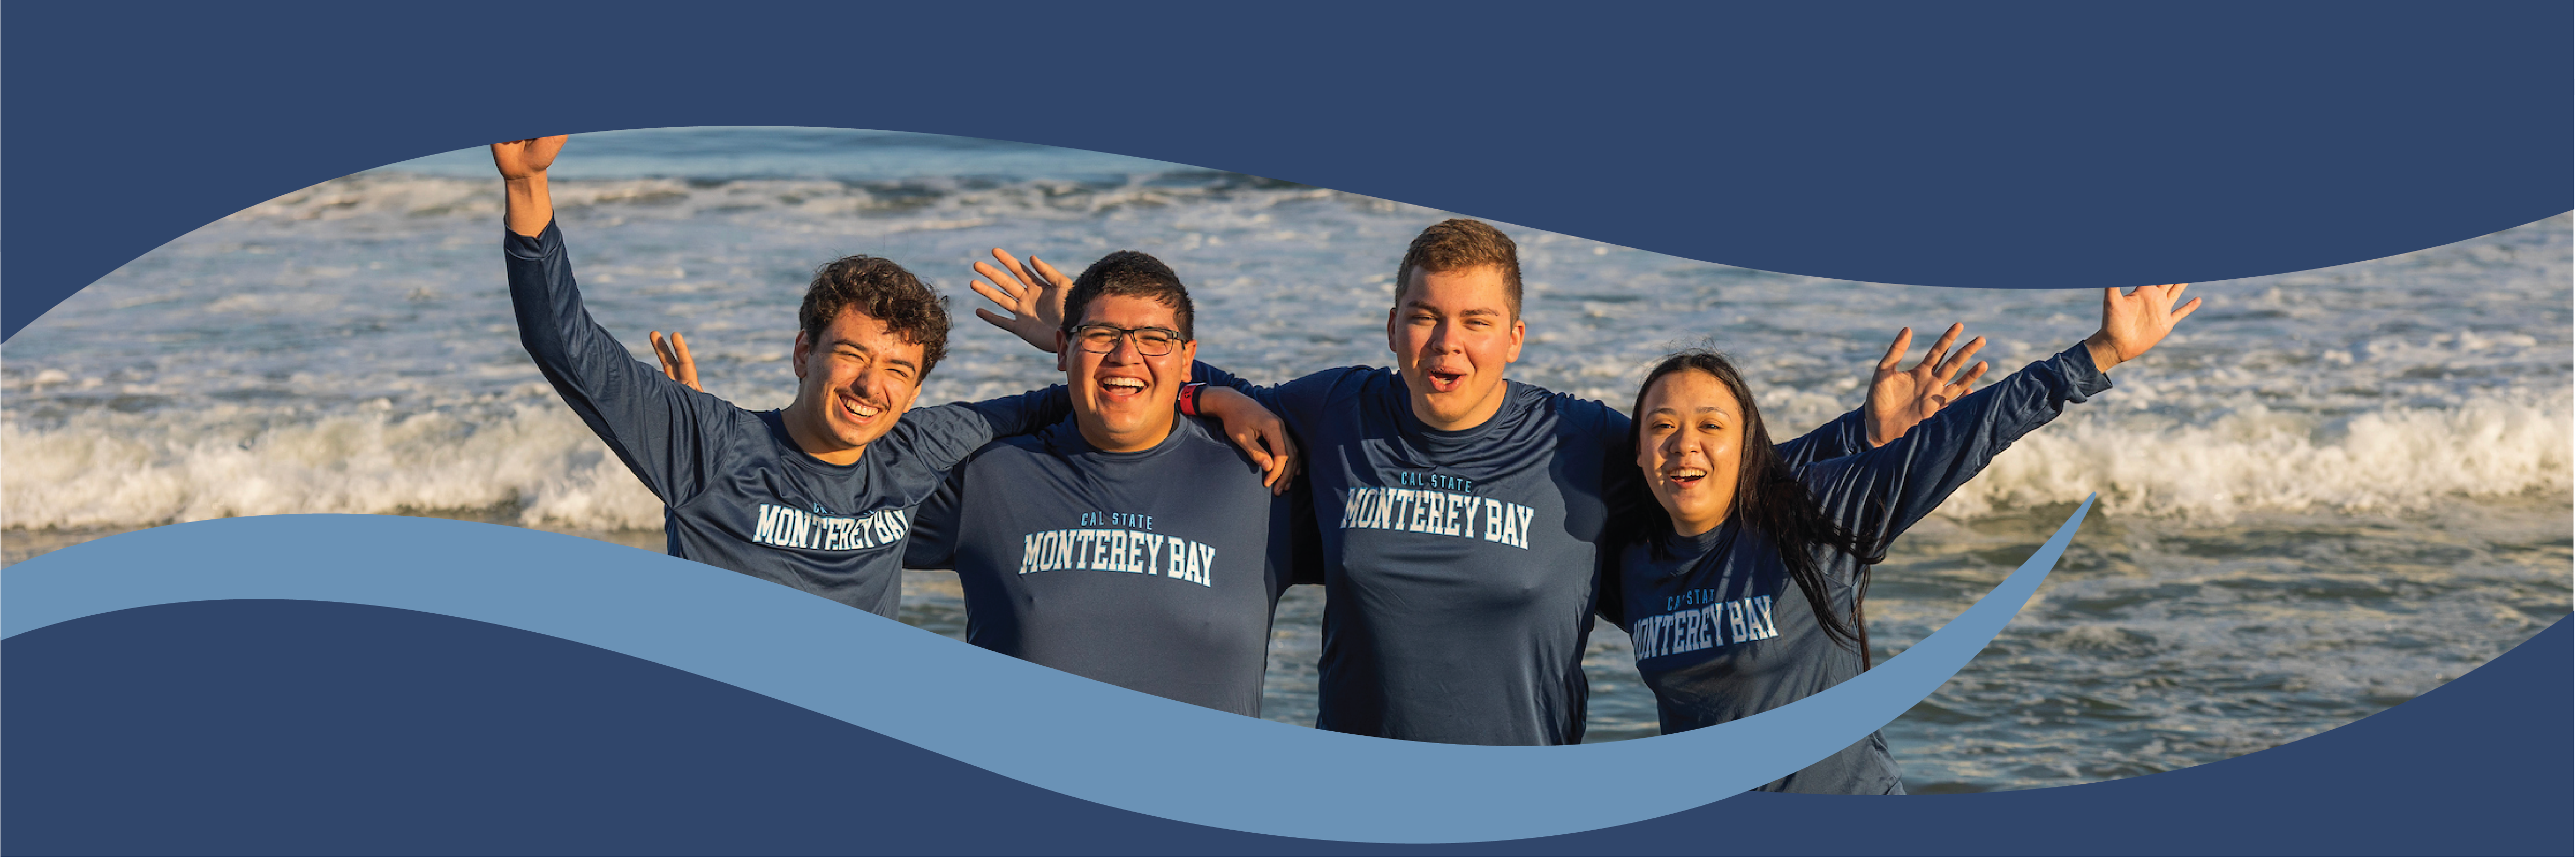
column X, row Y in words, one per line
column 1881, row 493
column 659, row 428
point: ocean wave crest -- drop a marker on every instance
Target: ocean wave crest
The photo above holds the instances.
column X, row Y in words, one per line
column 2389, row 460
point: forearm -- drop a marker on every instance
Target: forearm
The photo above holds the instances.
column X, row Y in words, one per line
column 1023, row 413
column 529, row 206
column 1900, row 482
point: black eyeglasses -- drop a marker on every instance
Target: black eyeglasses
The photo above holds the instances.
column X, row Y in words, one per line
column 1102, row 339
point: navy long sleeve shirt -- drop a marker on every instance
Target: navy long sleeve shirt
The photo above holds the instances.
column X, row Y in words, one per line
column 1157, row 570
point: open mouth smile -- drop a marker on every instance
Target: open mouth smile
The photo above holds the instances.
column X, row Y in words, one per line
column 1119, row 388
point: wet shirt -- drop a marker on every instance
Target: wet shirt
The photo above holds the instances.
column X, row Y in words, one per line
column 1459, row 568
column 1721, row 631
column 1155, row 570
column 736, row 491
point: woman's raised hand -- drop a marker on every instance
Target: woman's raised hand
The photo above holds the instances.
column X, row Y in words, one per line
column 2135, row 322
column 1899, row 399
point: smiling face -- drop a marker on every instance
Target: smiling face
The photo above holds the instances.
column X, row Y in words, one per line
column 1122, row 398
column 1690, row 444
column 853, row 382
column 1453, row 333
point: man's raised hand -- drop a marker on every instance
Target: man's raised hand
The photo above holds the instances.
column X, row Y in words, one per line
column 522, row 159
column 676, row 363
column 1034, row 295
column 2136, row 322
column 523, row 166
column 1899, row 399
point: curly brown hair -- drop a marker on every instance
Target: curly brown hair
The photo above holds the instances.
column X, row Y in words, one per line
column 1459, row 244
column 876, row 286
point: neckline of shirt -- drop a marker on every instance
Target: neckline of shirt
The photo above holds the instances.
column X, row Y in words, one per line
column 1413, row 426
column 1069, row 439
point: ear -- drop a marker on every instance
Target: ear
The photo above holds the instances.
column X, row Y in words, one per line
column 1189, row 353
column 1520, row 332
column 797, row 356
column 1060, row 344
column 1394, row 340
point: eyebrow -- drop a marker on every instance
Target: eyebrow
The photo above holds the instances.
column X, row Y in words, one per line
column 1480, row 311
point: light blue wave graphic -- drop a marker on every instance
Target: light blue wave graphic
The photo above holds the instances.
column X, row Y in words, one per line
column 1044, row 727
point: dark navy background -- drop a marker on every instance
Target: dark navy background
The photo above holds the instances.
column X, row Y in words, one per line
column 2007, row 145
column 280, row 727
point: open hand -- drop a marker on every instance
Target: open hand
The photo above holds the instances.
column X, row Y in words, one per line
column 1899, row 399
column 2136, row 322
column 1034, row 295
column 676, row 363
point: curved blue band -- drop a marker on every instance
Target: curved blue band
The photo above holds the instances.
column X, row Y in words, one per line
column 1047, row 728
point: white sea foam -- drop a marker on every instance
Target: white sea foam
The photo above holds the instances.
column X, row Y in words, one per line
column 107, row 469
column 2397, row 459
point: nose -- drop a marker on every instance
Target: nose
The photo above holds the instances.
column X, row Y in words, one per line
column 1678, row 444
column 1124, row 352
column 864, row 385
column 1443, row 340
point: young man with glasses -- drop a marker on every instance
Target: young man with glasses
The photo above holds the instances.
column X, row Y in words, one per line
column 1126, row 544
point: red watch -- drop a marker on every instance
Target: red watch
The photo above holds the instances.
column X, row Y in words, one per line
column 1190, row 398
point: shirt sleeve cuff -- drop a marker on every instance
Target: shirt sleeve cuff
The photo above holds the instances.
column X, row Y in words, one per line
column 547, row 241
column 2076, row 365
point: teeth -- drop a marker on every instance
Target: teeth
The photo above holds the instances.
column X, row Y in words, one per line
column 1123, row 383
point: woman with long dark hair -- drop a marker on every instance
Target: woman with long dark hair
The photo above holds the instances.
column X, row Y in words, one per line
column 1743, row 587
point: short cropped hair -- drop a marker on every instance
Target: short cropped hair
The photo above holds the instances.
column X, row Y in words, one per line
column 1462, row 244
column 876, row 286
column 1130, row 273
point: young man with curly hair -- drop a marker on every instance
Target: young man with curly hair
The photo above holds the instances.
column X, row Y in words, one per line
column 819, row 495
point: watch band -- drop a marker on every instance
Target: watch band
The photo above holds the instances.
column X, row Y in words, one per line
column 1190, row 398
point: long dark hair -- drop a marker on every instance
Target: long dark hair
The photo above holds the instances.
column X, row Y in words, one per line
column 1770, row 503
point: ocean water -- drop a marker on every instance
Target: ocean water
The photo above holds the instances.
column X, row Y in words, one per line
column 2329, row 492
